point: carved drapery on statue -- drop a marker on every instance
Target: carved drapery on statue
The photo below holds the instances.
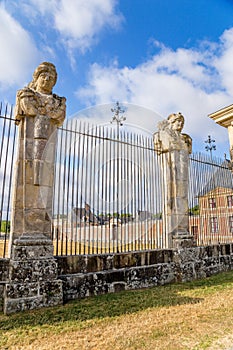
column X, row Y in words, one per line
column 174, row 148
column 38, row 113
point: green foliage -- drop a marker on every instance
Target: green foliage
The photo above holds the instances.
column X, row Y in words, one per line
column 5, row 226
column 195, row 210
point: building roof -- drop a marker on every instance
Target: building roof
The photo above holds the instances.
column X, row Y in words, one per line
column 221, row 178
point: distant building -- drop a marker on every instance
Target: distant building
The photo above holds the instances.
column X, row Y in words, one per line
column 84, row 215
column 144, row 215
column 214, row 221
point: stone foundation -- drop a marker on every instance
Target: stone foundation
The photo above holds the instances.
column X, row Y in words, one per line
column 32, row 281
column 85, row 275
column 38, row 282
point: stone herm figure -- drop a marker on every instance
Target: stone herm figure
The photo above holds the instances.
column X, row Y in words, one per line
column 38, row 113
column 174, row 148
column 33, row 276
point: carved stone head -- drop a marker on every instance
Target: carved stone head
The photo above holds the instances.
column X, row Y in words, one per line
column 44, row 78
column 176, row 121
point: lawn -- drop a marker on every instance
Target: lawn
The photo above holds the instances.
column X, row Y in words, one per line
column 197, row 315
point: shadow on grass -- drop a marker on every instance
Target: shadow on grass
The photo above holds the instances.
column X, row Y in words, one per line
column 112, row 305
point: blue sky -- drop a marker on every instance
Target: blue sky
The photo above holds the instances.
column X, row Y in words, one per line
column 164, row 55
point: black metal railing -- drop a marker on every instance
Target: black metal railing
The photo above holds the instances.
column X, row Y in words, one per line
column 107, row 191
column 8, row 133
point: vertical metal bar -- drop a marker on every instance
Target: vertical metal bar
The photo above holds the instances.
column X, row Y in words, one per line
column 128, row 225
column 140, row 184
column 5, row 174
column 120, row 198
column 95, row 213
column 56, row 199
column 123, row 192
column 82, row 190
column 69, row 195
column 3, row 132
column 95, row 200
column 88, row 185
column 79, row 184
column 103, row 195
column 64, row 217
column 111, row 191
column 85, row 190
column 74, row 184
column 137, row 194
column 10, row 180
column 154, row 194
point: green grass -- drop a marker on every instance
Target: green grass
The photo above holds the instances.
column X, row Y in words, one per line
column 77, row 317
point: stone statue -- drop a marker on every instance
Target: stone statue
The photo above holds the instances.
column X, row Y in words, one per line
column 33, row 276
column 174, row 148
column 38, row 113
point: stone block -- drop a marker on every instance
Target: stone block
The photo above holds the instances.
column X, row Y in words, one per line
column 41, row 129
column 39, row 147
column 17, row 225
column 33, row 270
column 33, row 197
column 19, row 290
column 18, row 175
column 126, row 260
column 16, row 305
column 29, row 172
column 32, row 252
column 28, row 124
column 36, row 221
column 21, row 297
column 18, row 197
column 156, row 257
column 29, row 149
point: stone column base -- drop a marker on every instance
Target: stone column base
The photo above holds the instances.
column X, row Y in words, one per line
column 180, row 241
column 33, row 281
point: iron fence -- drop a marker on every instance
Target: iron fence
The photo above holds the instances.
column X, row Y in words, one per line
column 7, row 157
column 108, row 191
column 210, row 199
column 107, row 194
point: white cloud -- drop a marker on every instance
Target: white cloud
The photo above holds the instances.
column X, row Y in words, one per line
column 18, row 51
column 224, row 62
column 79, row 22
column 195, row 81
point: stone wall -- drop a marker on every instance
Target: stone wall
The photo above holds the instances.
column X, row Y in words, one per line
column 92, row 275
column 86, row 275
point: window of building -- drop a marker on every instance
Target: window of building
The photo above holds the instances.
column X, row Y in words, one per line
column 231, row 224
column 212, row 202
column 214, row 224
column 230, row 201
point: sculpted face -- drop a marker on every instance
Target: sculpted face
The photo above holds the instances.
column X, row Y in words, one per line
column 178, row 124
column 45, row 82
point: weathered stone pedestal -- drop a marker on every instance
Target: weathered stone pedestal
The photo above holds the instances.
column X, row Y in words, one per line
column 180, row 241
column 33, row 279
